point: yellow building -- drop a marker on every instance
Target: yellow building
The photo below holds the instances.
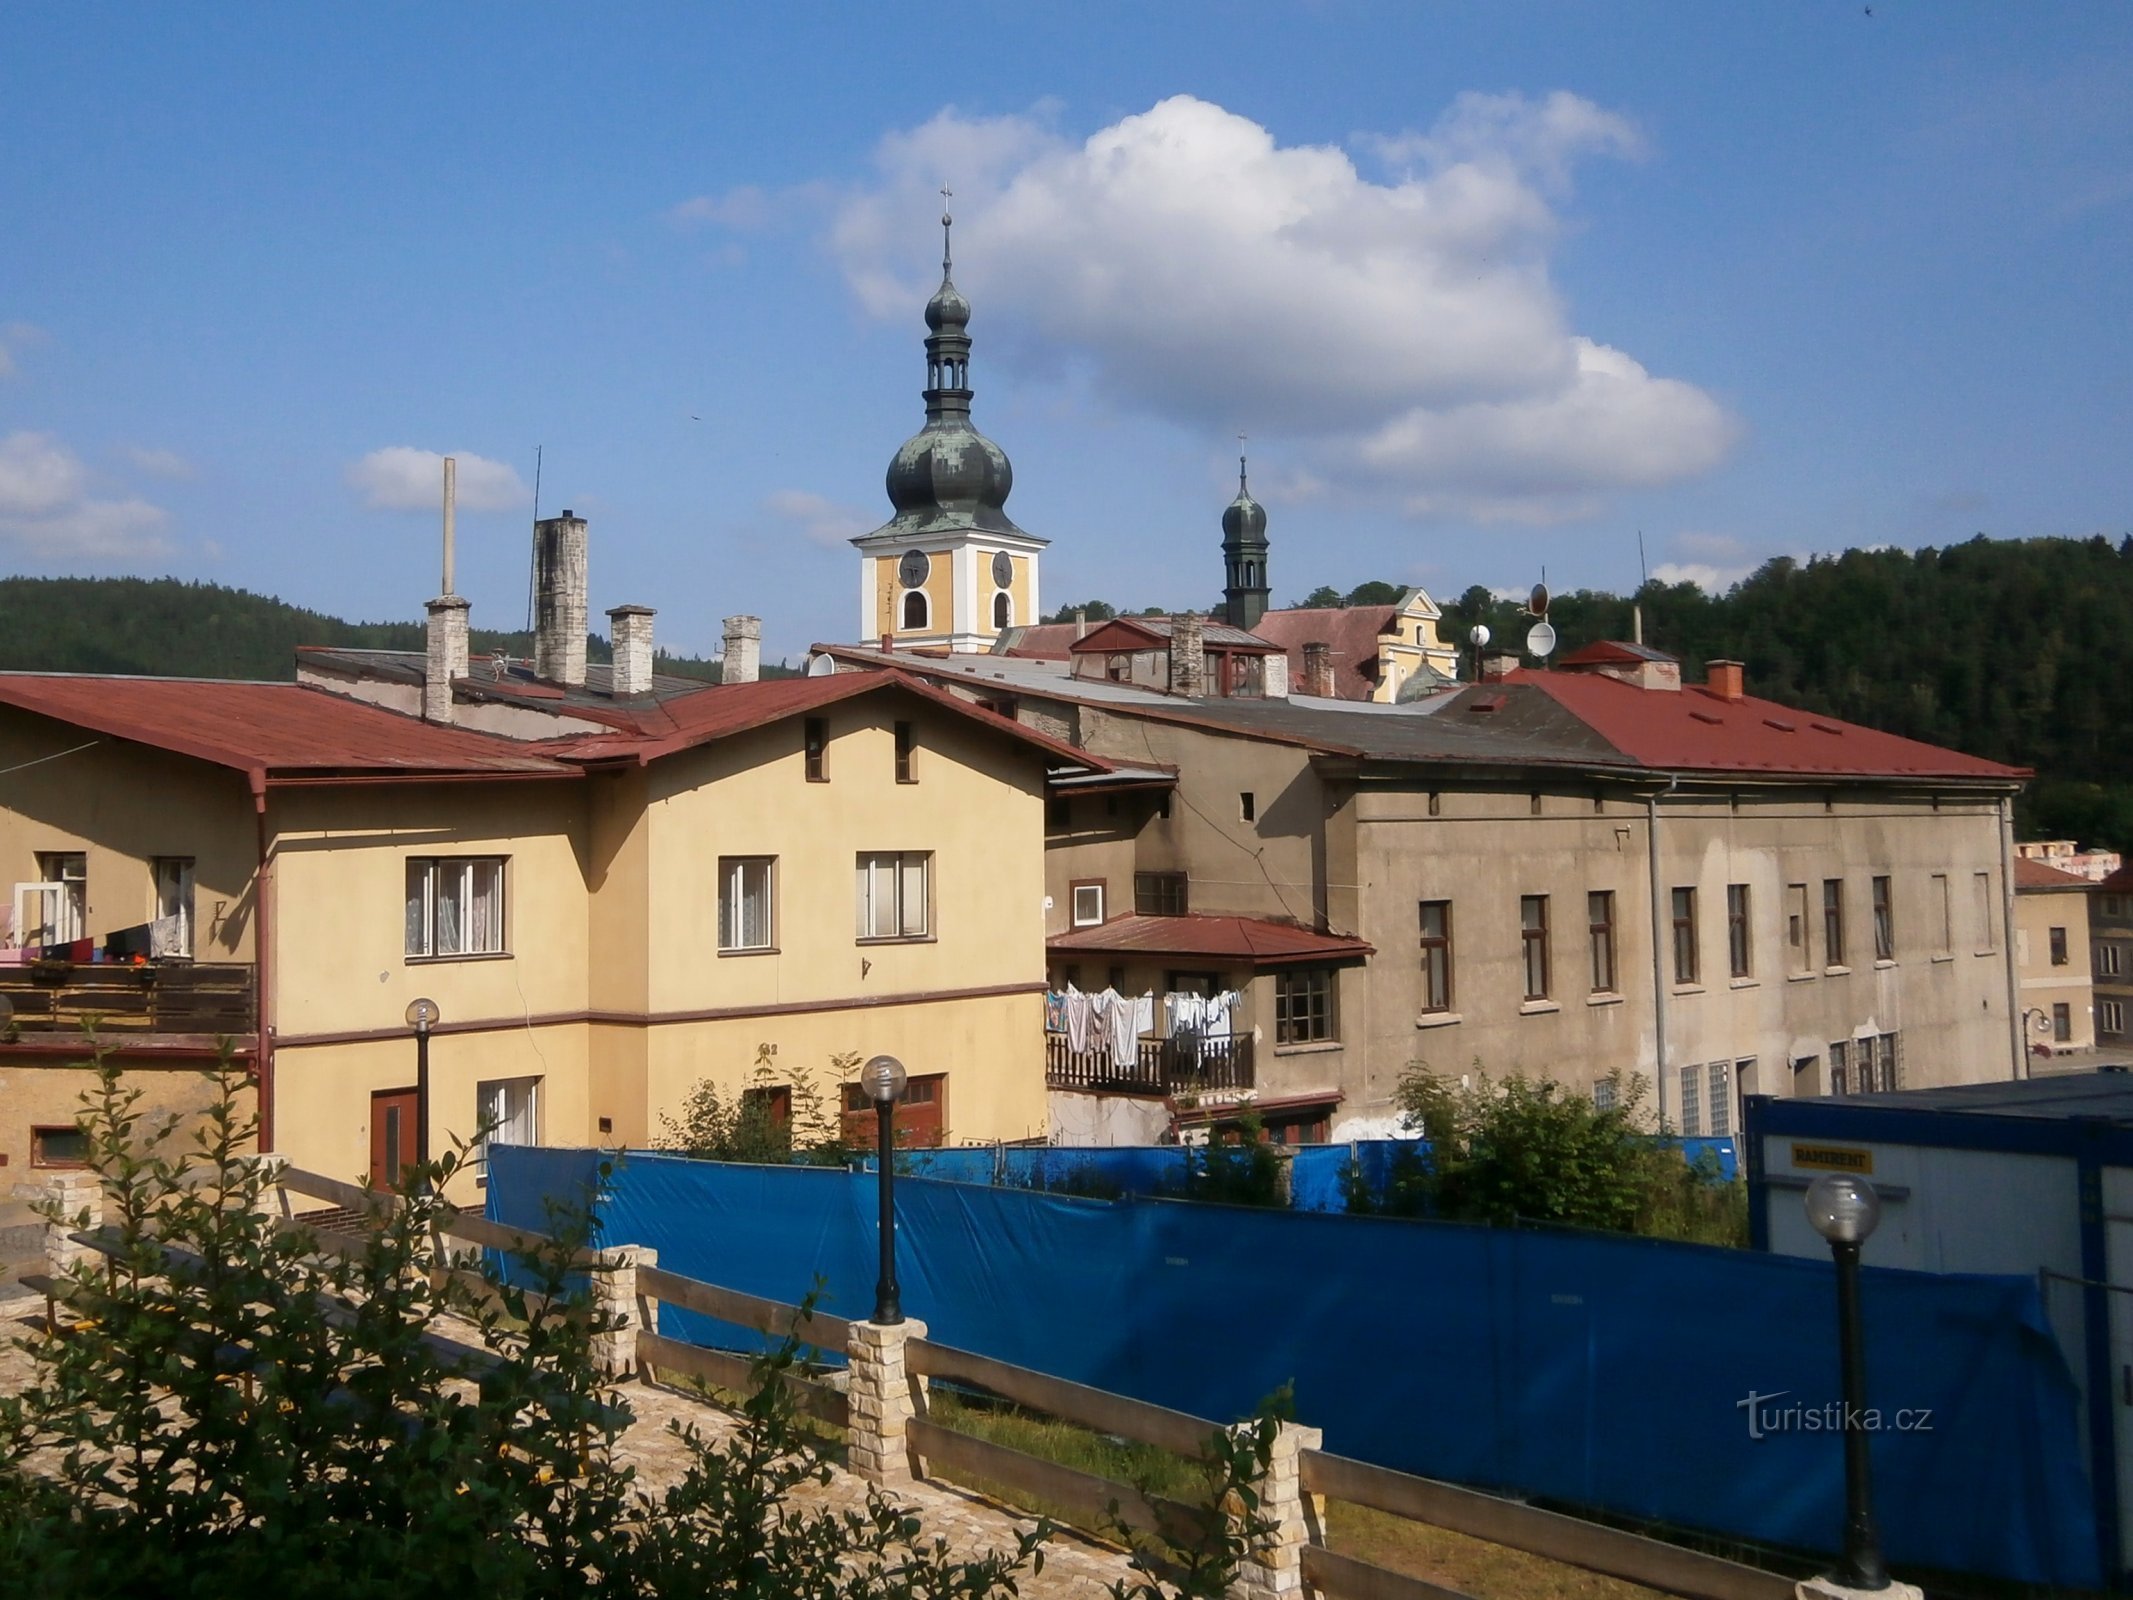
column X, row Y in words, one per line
column 816, row 868
column 2053, row 959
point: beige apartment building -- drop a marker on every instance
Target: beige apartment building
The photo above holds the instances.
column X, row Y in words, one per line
column 2053, row 959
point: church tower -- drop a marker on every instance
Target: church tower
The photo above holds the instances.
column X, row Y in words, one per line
column 950, row 567
column 1244, row 547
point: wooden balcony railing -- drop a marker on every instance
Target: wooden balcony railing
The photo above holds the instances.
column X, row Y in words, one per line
column 173, row 997
column 1161, row 1066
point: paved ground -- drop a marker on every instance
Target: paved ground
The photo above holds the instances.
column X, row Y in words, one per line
column 1074, row 1568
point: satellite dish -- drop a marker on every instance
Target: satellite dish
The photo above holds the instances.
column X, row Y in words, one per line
column 820, row 667
column 1538, row 604
column 1480, row 635
column 1540, row 640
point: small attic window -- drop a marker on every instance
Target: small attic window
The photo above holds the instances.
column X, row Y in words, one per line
column 1710, row 717
column 1781, row 725
column 1492, row 702
column 1826, row 727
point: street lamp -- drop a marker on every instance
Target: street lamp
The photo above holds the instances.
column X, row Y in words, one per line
column 1845, row 1211
column 883, row 1079
column 422, row 1016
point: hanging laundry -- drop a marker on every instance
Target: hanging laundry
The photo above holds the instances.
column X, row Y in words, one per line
column 1077, row 1010
column 1054, row 1012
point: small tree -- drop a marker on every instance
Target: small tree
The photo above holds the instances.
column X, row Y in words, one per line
column 777, row 1117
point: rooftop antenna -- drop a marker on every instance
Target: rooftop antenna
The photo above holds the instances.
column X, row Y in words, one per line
column 451, row 469
column 1636, row 610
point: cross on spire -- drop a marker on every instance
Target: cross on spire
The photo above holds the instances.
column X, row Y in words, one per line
column 1240, row 463
column 947, row 222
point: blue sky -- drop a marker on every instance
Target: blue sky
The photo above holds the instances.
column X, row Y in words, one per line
column 1490, row 288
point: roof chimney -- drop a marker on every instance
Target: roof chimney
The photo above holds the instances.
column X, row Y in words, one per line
column 1497, row 665
column 1724, row 679
column 447, row 657
column 630, row 627
column 1318, row 669
column 559, row 599
column 1081, row 621
column 1188, row 656
column 744, row 650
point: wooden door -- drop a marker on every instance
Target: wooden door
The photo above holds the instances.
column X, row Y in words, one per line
column 392, row 1135
column 921, row 1115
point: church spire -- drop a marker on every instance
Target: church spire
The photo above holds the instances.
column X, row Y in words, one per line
column 1244, row 551
column 947, row 337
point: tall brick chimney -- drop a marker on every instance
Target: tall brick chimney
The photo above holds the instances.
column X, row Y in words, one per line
column 744, row 650
column 1188, row 656
column 630, row 627
column 1318, row 670
column 447, row 657
column 559, row 599
column 1726, row 679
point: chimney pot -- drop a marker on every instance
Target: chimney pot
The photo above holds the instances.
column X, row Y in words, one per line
column 1081, row 622
column 1726, row 679
column 744, row 650
column 630, row 627
column 559, row 600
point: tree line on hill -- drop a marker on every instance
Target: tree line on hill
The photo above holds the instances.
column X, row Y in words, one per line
column 163, row 627
column 2004, row 648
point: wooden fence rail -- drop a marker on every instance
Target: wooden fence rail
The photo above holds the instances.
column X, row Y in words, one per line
column 1100, row 1409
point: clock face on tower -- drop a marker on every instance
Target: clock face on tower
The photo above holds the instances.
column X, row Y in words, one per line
column 1003, row 569
column 913, row 568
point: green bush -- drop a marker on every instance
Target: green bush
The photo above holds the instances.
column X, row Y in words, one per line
column 754, row 1126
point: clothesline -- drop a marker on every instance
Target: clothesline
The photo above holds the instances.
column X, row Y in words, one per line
column 1108, row 1019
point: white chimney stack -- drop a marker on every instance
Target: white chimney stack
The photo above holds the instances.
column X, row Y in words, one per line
column 744, row 650
column 447, row 658
column 559, row 599
column 630, row 627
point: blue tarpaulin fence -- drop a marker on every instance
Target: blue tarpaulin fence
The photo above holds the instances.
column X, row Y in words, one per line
column 1605, row 1372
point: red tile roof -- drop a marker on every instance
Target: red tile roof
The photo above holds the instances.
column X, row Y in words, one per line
column 1352, row 631
column 1244, row 939
column 1694, row 730
column 2030, row 874
column 271, row 729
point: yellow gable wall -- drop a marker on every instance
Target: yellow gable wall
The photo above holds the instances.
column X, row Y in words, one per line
column 122, row 805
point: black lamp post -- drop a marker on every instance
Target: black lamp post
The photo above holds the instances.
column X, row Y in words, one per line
column 883, row 1079
column 422, row 1016
column 1845, row 1211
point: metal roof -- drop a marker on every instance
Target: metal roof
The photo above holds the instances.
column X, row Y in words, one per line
column 1246, row 939
column 2058, row 1097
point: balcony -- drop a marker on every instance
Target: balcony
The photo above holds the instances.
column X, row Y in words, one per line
column 203, row 999
column 1161, row 1066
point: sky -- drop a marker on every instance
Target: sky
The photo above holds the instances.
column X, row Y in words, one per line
column 1494, row 292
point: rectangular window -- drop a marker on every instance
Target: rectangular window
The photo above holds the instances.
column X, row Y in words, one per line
column 1088, row 904
column 1685, row 967
column 1533, row 934
column 1600, row 923
column 1248, row 806
column 510, row 1109
column 172, row 934
column 2113, row 905
column 906, row 744
column 1987, row 923
column 744, row 920
column 2111, row 1016
column 814, row 741
column 1840, row 1055
column 1436, row 955
column 1833, row 921
column 1798, row 951
column 1692, row 1100
column 1159, row 894
column 1884, row 921
column 1718, row 1111
column 1303, row 1005
column 59, row 1147
column 2062, row 1022
column 1740, row 944
column 455, row 906
column 1604, row 1095
column 894, row 892
column 2108, row 961
column 1944, row 910
column 60, row 912
column 2058, row 943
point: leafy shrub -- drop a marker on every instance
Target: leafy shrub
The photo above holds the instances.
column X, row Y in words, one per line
column 757, row 1125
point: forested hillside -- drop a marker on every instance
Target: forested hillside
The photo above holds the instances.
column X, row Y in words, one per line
column 202, row 630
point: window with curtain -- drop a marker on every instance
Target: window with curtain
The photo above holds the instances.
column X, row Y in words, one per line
column 744, row 921
column 455, row 906
column 894, row 892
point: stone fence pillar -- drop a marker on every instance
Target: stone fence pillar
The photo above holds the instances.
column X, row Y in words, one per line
column 614, row 1294
column 73, row 1193
column 1273, row 1566
column 884, row 1396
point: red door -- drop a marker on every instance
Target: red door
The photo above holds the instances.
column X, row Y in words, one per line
column 921, row 1114
column 392, row 1135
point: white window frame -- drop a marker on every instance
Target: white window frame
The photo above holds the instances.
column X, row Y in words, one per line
column 425, row 874
column 2108, row 960
column 1692, row 1101
column 510, row 1110
column 1718, row 1106
column 173, row 876
column 735, row 936
column 2111, row 1016
column 895, row 893
column 1088, row 913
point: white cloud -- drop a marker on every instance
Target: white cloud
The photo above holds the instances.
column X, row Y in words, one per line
column 159, row 463
column 46, row 510
column 1406, row 329
column 16, row 336
column 402, row 478
column 1714, row 562
column 816, row 518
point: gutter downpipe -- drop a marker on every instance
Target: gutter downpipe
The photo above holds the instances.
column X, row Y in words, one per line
column 2007, row 911
column 262, row 969
column 1651, row 852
